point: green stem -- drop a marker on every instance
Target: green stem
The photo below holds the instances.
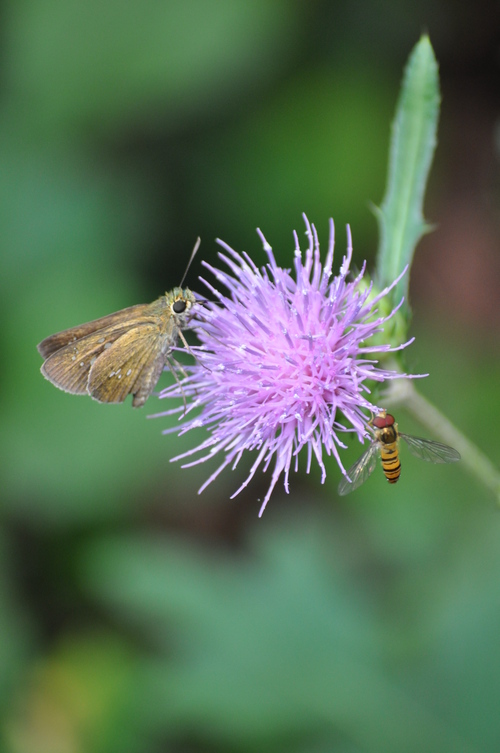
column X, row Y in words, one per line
column 403, row 392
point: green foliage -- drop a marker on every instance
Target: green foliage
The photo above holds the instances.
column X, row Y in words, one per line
column 94, row 67
column 285, row 643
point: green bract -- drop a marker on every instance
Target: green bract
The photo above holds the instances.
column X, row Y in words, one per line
column 413, row 140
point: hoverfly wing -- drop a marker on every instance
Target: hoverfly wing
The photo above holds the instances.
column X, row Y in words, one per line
column 55, row 342
column 68, row 367
column 131, row 365
column 432, row 452
column 359, row 472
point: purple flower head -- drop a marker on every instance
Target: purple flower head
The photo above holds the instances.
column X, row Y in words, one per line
column 281, row 357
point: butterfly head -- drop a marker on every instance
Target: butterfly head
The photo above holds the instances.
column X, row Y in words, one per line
column 179, row 302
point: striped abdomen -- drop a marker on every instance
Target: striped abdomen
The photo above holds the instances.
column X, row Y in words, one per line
column 391, row 466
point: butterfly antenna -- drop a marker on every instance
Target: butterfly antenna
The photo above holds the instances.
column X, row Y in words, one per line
column 193, row 254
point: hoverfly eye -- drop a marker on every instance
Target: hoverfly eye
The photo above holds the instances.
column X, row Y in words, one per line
column 383, row 420
column 179, row 306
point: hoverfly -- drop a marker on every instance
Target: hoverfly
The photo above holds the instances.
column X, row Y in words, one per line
column 385, row 443
column 120, row 354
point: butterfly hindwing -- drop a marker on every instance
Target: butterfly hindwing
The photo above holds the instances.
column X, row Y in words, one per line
column 68, row 368
column 131, row 365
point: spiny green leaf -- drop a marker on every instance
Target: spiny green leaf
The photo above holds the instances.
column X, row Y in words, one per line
column 413, row 141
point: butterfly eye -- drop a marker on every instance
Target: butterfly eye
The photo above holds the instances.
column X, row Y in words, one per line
column 179, row 306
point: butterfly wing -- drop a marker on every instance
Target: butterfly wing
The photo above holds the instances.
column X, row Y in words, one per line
column 432, row 452
column 68, row 367
column 359, row 472
column 55, row 342
column 131, row 365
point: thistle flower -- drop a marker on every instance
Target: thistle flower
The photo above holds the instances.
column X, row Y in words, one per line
column 281, row 360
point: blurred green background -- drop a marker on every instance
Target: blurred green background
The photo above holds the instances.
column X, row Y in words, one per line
column 135, row 615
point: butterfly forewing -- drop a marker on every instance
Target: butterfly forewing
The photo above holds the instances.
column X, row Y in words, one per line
column 55, row 342
column 359, row 472
column 433, row 452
